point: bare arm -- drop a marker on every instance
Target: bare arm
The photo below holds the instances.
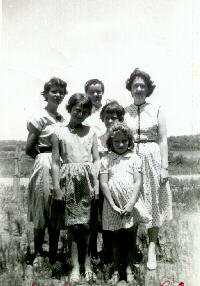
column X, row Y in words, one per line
column 96, row 161
column 137, row 179
column 57, row 193
column 95, row 155
column 31, row 143
column 163, row 146
column 106, row 192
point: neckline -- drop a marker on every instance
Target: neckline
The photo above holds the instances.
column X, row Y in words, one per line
column 56, row 116
column 116, row 155
column 140, row 105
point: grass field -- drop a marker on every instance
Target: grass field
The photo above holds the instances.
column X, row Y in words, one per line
column 178, row 253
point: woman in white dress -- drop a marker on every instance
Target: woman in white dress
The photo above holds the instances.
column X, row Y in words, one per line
column 150, row 135
column 38, row 146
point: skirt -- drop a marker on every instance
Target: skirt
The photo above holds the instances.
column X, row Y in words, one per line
column 78, row 183
column 39, row 193
column 157, row 198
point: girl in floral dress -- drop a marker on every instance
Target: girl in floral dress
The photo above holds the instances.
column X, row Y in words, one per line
column 120, row 181
column 76, row 180
column 38, row 146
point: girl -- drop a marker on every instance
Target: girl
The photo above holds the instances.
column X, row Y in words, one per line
column 39, row 147
column 120, row 182
column 77, row 180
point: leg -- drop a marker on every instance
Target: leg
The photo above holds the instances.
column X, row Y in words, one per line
column 38, row 240
column 89, row 274
column 153, row 236
column 75, row 274
column 93, row 229
column 53, row 243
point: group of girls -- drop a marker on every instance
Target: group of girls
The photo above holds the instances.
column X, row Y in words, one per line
column 78, row 161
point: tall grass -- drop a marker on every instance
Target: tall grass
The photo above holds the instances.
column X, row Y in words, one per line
column 175, row 249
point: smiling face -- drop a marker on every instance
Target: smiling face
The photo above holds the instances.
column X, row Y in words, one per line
column 120, row 143
column 95, row 93
column 139, row 90
column 55, row 95
column 79, row 113
column 110, row 118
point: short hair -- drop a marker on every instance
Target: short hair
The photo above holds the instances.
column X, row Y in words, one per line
column 54, row 81
column 79, row 98
column 137, row 72
column 117, row 128
column 93, row 82
column 113, row 107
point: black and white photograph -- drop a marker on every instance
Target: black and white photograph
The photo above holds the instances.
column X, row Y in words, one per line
column 100, row 143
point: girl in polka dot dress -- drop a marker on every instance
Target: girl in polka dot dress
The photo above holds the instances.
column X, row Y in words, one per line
column 123, row 209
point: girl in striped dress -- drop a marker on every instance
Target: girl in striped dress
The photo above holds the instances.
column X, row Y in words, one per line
column 120, row 182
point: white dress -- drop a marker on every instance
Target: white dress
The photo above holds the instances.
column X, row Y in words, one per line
column 120, row 170
column 143, row 121
column 40, row 183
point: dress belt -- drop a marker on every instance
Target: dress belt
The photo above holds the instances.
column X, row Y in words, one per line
column 144, row 141
column 45, row 149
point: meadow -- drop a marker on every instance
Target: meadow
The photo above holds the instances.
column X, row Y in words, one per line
column 178, row 249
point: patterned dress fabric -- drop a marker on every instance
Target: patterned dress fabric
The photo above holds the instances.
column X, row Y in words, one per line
column 120, row 170
column 40, row 183
column 77, row 175
column 143, row 120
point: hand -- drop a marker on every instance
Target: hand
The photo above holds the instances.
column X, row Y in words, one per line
column 128, row 209
column 164, row 176
column 57, row 194
column 116, row 209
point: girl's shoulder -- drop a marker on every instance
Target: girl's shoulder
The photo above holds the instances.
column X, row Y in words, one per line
column 38, row 120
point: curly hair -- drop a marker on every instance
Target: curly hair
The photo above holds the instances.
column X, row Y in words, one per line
column 117, row 128
column 113, row 107
column 93, row 82
column 80, row 98
column 137, row 72
column 54, row 81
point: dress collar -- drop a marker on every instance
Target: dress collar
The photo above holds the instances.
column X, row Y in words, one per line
column 116, row 156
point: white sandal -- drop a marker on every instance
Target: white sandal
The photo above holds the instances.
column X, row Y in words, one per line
column 115, row 278
column 74, row 276
column 90, row 276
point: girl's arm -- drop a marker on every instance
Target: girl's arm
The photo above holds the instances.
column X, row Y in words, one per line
column 95, row 155
column 163, row 147
column 137, row 179
column 31, row 143
column 57, row 193
column 106, row 192
column 96, row 161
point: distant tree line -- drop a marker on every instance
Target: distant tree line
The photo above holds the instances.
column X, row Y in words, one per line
column 179, row 143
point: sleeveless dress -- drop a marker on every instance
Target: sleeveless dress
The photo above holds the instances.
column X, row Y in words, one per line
column 143, row 120
column 77, row 174
column 120, row 170
column 40, row 183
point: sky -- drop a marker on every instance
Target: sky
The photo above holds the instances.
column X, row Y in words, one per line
column 77, row 40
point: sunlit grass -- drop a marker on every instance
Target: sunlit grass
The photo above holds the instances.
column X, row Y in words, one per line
column 176, row 255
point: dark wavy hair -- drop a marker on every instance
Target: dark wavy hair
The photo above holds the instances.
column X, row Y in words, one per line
column 137, row 72
column 79, row 98
column 54, row 81
column 113, row 107
column 93, row 81
column 117, row 128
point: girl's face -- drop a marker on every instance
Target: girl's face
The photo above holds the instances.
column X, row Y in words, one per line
column 79, row 113
column 55, row 95
column 110, row 118
column 120, row 143
column 95, row 93
column 139, row 90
